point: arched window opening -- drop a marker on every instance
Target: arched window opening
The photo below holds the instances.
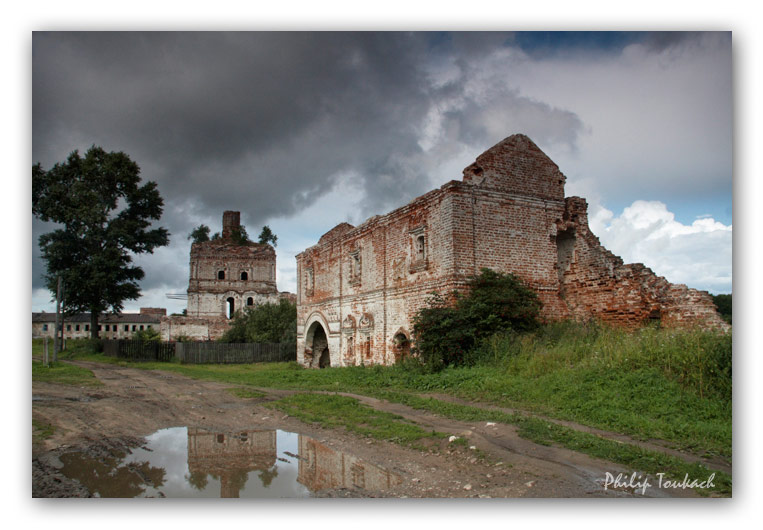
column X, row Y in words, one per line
column 221, row 275
column 250, row 301
column 421, row 248
column 244, row 275
column 231, row 309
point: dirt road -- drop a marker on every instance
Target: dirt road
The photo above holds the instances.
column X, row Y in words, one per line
column 132, row 404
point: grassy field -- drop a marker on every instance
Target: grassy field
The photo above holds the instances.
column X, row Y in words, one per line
column 651, row 384
column 333, row 411
column 63, row 373
column 669, row 385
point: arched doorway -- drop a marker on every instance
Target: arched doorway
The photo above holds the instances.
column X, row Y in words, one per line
column 402, row 346
column 231, row 307
column 317, row 347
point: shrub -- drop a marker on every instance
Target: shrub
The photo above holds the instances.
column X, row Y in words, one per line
column 149, row 334
column 264, row 323
column 723, row 305
column 446, row 334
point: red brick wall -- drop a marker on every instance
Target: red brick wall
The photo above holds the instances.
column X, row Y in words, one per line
column 509, row 214
column 597, row 284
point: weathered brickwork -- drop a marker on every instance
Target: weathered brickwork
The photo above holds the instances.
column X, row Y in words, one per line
column 225, row 276
column 359, row 287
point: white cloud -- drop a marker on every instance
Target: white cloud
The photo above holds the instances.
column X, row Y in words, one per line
column 698, row 255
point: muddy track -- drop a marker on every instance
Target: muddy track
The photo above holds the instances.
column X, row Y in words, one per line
column 715, row 462
column 134, row 403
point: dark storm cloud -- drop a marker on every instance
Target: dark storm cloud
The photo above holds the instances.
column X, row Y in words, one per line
column 259, row 122
column 272, row 123
column 264, row 123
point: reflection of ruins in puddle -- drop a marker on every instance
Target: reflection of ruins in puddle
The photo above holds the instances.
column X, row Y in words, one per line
column 322, row 468
column 191, row 462
column 231, row 456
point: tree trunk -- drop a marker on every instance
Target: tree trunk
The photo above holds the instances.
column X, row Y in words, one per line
column 93, row 324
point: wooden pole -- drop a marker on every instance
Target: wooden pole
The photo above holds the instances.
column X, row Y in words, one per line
column 56, row 343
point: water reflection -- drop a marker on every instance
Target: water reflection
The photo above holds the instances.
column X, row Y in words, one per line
column 230, row 458
column 192, row 462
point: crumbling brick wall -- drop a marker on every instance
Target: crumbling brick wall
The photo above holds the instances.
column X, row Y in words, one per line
column 361, row 286
column 597, row 284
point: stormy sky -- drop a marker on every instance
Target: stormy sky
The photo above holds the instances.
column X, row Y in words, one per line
column 304, row 130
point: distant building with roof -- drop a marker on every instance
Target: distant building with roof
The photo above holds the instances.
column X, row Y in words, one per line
column 110, row 326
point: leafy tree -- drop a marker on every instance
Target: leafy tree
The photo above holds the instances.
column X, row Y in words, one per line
column 267, row 236
column 239, row 235
column 445, row 332
column 723, row 304
column 105, row 217
column 272, row 323
column 197, row 479
column 215, row 236
column 200, row 234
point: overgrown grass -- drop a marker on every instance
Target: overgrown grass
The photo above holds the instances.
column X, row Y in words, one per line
column 63, row 373
column 332, row 411
column 548, row 433
column 664, row 384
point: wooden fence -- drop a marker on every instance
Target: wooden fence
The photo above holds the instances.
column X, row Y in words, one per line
column 225, row 353
column 140, row 350
column 199, row 352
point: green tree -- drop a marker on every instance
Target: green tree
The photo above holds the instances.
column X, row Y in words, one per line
column 105, row 217
column 272, row 323
column 239, row 235
column 267, row 236
column 200, row 234
column 446, row 331
column 723, row 304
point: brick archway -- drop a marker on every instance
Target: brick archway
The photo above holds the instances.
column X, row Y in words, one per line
column 317, row 353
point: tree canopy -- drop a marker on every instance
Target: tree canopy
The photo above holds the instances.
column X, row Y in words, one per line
column 723, row 304
column 267, row 237
column 105, row 216
column 239, row 236
column 200, row 234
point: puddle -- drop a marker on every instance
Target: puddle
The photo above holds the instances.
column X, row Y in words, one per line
column 191, row 462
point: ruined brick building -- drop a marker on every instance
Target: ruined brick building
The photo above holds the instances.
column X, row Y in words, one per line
column 226, row 275
column 360, row 286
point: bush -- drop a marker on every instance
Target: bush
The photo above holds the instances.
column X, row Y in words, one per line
column 447, row 334
column 272, row 323
column 149, row 334
column 723, row 305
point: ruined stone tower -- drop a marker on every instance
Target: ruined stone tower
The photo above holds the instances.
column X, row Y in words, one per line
column 359, row 287
column 227, row 275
